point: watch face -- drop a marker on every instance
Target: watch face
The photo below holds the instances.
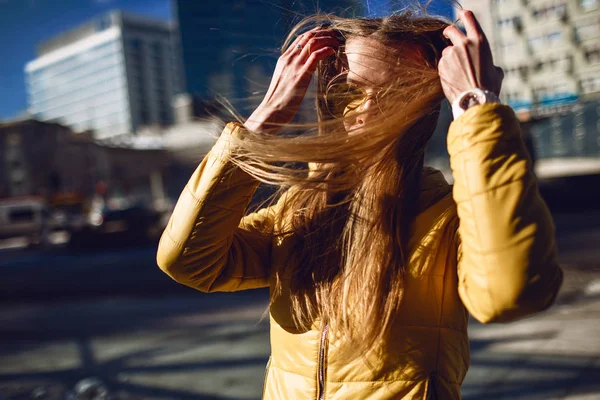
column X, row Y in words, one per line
column 470, row 99
column 465, row 102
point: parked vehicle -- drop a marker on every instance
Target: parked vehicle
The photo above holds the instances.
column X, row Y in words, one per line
column 67, row 211
column 24, row 217
column 119, row 223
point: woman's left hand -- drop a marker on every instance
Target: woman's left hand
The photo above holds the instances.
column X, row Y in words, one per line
column 468, row 63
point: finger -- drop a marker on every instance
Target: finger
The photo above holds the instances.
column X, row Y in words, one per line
column 301, row 41
column 471, row 24
column 314, row 35
column 315, row 57
column 293, row 45
column 454, row 35
column 317, row 43
column 306, row 36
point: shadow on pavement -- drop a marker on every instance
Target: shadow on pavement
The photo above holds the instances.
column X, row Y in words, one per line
column 538, row 361
column 533, row 376
column 60, row 274
column 176, row 329
column 72, row 320
column 115, row 372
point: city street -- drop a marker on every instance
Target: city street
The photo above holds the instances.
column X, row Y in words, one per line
column 114, row 317
column 107, row 108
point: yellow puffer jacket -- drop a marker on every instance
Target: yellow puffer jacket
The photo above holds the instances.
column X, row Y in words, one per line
column 487, row 249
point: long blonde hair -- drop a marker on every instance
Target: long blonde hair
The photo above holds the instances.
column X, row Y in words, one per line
column 351, row 211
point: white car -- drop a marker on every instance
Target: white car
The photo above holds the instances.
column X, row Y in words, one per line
column 23, row 216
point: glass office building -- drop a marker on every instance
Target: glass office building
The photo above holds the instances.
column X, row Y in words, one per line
column 230, row 47
column 114, row 75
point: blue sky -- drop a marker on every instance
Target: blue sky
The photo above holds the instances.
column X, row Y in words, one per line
column 25, row 23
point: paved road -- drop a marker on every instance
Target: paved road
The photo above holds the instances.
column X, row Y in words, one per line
column 174, row 344
column 190, row 347
column 62, row 274
column 216, row 347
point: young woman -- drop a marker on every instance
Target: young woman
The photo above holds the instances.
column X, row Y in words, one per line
column 373, row 261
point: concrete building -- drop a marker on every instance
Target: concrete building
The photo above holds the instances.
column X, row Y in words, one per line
column 43, row 158
column 550, row 53
column 35, row 159
column 549, row 49
column 113, row 75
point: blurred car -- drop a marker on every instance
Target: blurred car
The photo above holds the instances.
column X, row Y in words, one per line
column 23, row 217
column 66, row 211
column 122, row 224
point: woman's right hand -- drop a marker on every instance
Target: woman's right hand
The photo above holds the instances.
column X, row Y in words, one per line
column 291, row 79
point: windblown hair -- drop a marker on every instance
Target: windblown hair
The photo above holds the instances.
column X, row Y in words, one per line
column 349, row 200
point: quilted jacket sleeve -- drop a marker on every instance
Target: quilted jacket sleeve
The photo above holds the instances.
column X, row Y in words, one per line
column 507, row 266
column 208, row 244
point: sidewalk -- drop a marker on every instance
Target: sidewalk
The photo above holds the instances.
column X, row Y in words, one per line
column 555, row 355
column 190, row 348
column 216, row 347
column 180, row 344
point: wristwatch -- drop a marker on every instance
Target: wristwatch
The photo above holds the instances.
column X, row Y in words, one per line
column 471, row 98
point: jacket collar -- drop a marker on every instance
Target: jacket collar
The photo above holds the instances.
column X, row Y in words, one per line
column 434, row 187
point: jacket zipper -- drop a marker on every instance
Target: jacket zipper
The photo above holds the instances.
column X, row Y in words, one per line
column 431, row 389
column 322, row 362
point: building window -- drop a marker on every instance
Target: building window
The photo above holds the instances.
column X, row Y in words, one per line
column 540, row 91
column 560, row 10
column 135, row 44
column 588, row 31
column 590, row 85
column 561, row 87
column 592, row 55
column 555, row 37
column 553, row 11
column 508, row 48
column 535, row 42
column 505, row 23
column 588, row 5
column 512, row 23
column 555, row 64
column 521, row 71
column 157, row 49
column 552, row 39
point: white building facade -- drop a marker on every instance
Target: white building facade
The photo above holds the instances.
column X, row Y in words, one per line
column 114, row 75
column 549, row 50
column 550, row 53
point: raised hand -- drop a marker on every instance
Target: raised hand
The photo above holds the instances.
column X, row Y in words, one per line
column 468, row 63
column 291, row 79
